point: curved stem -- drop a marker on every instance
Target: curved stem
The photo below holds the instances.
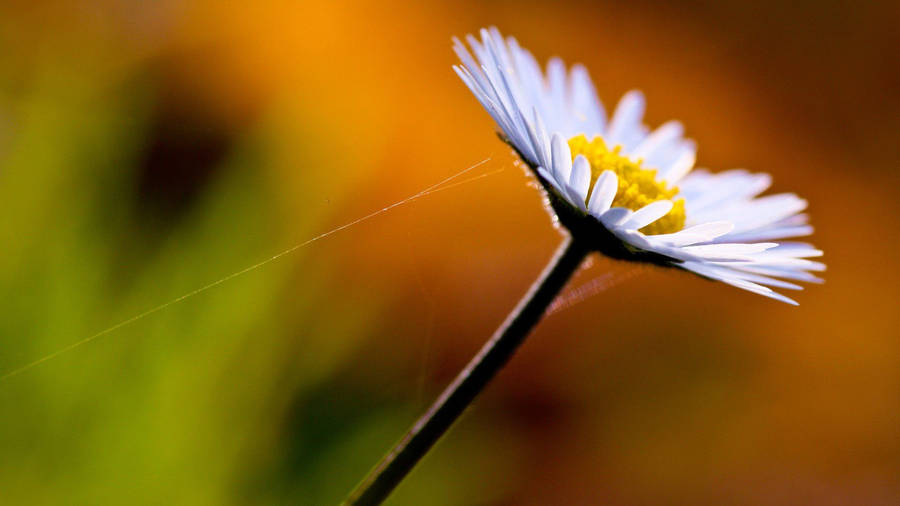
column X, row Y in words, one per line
column 471, row 381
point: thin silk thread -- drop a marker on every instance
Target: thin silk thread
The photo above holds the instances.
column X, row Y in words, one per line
column 437, row 187
column 591, row 288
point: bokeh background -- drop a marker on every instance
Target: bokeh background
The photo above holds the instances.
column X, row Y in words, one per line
column 150, row 148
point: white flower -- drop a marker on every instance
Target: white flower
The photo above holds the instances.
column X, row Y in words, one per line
column 629, row 190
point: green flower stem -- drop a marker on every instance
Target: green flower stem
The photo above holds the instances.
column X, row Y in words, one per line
column 385, row 476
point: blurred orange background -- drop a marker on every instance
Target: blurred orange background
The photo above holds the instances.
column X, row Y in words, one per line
column 149, row 148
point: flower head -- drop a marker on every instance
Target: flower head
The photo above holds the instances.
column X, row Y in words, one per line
column 629, row 191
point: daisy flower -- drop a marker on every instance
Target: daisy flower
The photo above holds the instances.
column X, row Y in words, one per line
column 629, row 191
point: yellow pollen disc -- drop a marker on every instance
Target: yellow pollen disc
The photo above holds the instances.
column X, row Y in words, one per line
column 637, row 186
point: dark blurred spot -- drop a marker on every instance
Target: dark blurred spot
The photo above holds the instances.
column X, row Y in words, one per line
column 187, row 140
column 184, row 152
column 536, row 407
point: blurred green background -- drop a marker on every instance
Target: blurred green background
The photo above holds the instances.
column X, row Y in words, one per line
column 150, row 148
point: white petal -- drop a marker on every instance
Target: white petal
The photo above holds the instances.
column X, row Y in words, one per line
column 724, row 277
column 761, row 290
column 737, row 248
column 668, row 132
column 729, row 251
column 503, row 101
column 544, row 173
column 562, row 158
column 586, row 107
column 615, row 217
column 604, row 193
column 575, row 198
column 727, row 272
column 792, row 221
column 768, row 234
column 580, row 180
column 705, row 192
column 648, row 214
column 556, row 80
column 494, row 110
column 529, row 72
column 797, row 250
column 544, row 141
column 781, row 272
column 765, row 210
column 765, row 260
column 681, row 166
column 626, row 118
column 698, row 233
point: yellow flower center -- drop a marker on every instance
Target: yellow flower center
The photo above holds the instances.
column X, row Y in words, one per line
column 637, row 186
